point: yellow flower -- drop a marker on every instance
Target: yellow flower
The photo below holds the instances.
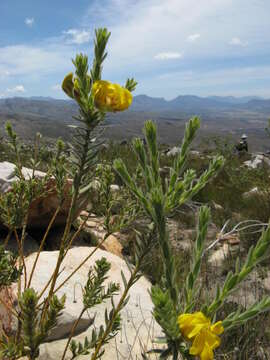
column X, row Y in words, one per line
column 68, row 85
column 111, row 97
column 204, row 336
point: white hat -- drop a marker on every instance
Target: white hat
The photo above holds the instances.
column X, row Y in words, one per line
column 244, row 136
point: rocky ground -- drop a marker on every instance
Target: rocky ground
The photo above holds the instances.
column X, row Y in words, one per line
column 139, row 328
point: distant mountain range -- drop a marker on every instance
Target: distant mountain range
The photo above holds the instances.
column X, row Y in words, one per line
column 192, row 103
column 220, row 115
column 183, row 103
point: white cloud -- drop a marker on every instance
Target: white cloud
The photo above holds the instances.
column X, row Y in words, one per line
column 24, row 60
column 193, row 37
column 231, row 81
column 135, row 39
column 17, row 89
column 76, row 36
column 29, row 22
column 238, row 42
column 4, row 73
column 168, row 56
column 56, row 87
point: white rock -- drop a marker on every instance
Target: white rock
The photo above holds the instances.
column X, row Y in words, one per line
column 43, row 208
column 138, row 327
column 7, row 176
column 218, row 256
column 174, row 151
column 249, row 194
column 255, row 163
column 115, row 188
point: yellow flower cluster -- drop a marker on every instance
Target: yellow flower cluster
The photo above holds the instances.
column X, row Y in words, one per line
column 107, row 96
column 204, row 335
column 111, row 97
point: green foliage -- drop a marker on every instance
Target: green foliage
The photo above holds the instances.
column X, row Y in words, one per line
column 94, row 292
column 191, row 289
column 34, row 329
column 255, row 255
column 145, row 193
column 158, row 202
column 9, row 272
column 14, row 204
column 131, row 84
column 35, row 318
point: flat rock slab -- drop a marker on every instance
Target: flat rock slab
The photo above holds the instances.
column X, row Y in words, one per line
column 138, row 326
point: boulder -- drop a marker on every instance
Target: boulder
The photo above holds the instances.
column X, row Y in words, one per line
column 93, row 233
column 43, row 208
column 174, row 151
column 138, row 326
column 251, row 193
column 7, row 176
column 258, row 161
column 224, row 251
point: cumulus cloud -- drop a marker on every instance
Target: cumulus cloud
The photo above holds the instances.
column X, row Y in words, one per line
column 29, row 21
column 76, row 36
column 16, row 89
column 193, row 37
column 136, row 44
column 35, row 61
column 238, row 42
column 168, row 56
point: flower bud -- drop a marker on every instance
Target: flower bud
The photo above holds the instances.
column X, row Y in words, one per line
column 67, row 85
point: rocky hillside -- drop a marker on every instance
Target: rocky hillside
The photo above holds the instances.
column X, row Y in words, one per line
column 226, row 117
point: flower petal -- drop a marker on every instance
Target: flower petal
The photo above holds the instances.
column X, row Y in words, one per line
column 207, row 353
column 217, row 328
column 198, row 344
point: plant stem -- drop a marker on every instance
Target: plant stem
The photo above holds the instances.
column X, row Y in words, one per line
column 21, row 261
column 42, row 244
column 72, row 332
column 169, row 265
column 116, row 311
column 82, row 263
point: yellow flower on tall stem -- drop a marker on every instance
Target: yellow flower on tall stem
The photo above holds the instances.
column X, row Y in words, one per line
column 197, row 328
column 111, row 97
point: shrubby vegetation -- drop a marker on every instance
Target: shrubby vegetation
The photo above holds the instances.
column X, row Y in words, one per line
column 194, row 322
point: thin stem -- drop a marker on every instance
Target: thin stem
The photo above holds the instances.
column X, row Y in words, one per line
column 61, row 253
column 22, row 245
column 82, row 263
column 70, row 217
column 76, row 234
column 169, row 264
column 21, row 261
column 42, row 244
column 9, row 308
column 116, row 311
column 46, row 287
column 72, row 332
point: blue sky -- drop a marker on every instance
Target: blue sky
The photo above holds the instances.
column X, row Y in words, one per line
column 172, row 47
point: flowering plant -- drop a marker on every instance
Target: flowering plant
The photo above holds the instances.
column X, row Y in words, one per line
column 183, row 319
